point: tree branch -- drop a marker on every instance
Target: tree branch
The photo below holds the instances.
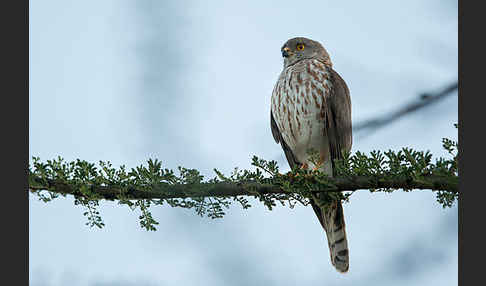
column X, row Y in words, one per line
column 149, row 184
column 225, row 189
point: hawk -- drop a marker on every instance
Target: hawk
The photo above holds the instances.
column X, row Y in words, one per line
column 311, row 110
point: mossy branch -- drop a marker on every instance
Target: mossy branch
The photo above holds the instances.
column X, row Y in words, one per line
column 143, row 186
column 249, row 188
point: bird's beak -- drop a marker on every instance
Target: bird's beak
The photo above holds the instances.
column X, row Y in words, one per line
column 286, row 52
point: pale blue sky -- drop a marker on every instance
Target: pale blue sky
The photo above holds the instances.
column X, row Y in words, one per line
column 189, row 83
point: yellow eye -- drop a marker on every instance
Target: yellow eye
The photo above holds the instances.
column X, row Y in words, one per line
column 300, row 47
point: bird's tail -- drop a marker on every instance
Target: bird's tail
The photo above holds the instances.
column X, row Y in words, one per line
column 331, row 218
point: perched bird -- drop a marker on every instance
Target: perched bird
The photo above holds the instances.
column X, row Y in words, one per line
column 311, row 110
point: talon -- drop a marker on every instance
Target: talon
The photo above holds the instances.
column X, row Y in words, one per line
column 304, row 166
column 319, row 163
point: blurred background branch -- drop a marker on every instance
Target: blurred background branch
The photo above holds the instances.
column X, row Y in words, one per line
column 368, row 127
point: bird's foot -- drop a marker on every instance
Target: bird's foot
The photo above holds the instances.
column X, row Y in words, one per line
column 304, row 166
column 318, row 165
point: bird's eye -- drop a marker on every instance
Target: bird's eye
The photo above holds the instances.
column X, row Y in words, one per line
column 300, row 47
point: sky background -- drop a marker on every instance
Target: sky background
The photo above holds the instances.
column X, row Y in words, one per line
column 189, row 83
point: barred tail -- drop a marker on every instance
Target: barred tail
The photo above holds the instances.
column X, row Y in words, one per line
column 332, row 220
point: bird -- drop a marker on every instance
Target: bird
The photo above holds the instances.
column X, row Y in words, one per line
column 311, row 110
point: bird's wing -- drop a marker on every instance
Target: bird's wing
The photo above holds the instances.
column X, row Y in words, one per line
column 279, row 139
column 339, row 136
column 338, row 123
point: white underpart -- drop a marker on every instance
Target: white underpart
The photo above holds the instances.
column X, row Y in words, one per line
column 288, row 112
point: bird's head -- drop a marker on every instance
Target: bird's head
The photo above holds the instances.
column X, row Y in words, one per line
column 300, row 48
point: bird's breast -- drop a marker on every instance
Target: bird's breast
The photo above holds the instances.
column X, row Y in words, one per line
column 299, row 106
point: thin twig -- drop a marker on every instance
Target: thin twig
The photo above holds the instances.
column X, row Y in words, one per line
column 424, row 100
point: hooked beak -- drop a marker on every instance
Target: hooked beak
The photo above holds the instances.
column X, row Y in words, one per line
column 286, row 52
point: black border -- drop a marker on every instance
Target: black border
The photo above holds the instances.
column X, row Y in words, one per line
column 460, row 206
column 471, row 147
column 14, row 118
